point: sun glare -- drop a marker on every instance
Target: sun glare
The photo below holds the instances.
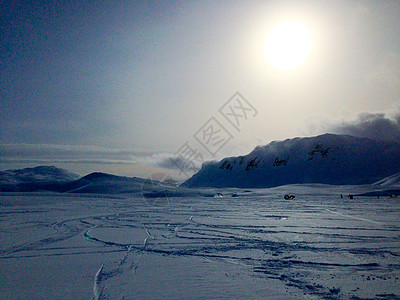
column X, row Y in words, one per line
column 287, row 45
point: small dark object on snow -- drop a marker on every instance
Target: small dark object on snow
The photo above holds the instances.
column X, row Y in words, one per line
column 351, row 196
column 334, row 290
column 289, row 197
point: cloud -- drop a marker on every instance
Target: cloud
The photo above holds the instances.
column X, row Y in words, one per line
column 380, row 126
column 43, row 161
column 50, row 150
column 171, row 161
column 48, row 154
column 65, row 154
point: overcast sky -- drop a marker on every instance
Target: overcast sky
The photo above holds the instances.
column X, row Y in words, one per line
column 119, row 86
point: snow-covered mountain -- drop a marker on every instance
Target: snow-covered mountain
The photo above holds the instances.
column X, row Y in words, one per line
column 328, row 158
column 38, row 174
column 45, row 178
column 104, row 183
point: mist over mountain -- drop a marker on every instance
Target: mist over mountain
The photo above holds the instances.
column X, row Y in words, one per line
column 328, row 158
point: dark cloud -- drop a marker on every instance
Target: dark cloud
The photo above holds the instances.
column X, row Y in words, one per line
column 378, row 126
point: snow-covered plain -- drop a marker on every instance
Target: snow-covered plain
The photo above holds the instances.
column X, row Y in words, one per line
column 245, row 244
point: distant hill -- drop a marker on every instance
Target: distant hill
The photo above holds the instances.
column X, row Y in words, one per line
column 45, row 178
column 388, row 186
column 36, row 175
column 391, row 181
column 328, row 158
column 104, row 183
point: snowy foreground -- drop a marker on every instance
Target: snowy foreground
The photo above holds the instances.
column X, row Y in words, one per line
column 243, row 245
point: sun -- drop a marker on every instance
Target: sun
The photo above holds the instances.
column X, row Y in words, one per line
column 287, row 45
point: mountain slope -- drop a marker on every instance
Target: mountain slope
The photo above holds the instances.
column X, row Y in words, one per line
column 104, row 184
column 391, row 181
column 328, row 158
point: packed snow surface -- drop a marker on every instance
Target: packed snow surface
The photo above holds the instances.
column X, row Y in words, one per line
column 240, row 244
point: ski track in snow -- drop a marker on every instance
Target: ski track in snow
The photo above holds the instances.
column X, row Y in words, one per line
column 317, row 245
column 97, row 290
column 353, row 217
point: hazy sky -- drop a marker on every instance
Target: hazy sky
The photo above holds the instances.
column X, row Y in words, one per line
column 119, row 86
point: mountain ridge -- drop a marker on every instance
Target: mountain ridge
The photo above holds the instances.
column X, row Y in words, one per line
column 37, row 174
column 325, row 159
column 328, row 158
column 52, row 179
